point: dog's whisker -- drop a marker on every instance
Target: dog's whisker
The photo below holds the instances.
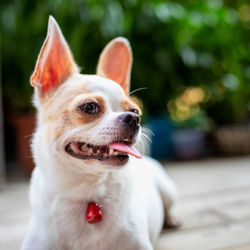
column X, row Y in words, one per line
column 136, row 90
column 147, row 135
column 147, row 131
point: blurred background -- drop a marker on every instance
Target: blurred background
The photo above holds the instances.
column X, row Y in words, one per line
column 191, row 71
column 192, row 58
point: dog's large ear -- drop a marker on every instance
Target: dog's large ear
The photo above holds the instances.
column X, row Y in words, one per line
column 55, row 63
column 115, row 62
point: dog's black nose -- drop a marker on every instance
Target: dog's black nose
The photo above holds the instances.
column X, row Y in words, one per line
column 130, row 120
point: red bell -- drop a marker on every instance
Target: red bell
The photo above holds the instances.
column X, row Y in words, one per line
column 94, row 213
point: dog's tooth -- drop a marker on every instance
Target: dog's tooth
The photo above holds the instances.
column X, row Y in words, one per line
column 90, row 151
column 98, row 151
column 126, row 139
column 111, row 151
column 116, row 153
column 84, row 147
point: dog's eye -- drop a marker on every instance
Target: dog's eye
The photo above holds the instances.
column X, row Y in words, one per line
column 90, row 108
column 134, row 111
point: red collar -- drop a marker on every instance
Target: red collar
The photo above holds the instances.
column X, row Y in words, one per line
column 94, row 213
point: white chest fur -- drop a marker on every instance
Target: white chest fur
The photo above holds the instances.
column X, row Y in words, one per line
column 131, row 205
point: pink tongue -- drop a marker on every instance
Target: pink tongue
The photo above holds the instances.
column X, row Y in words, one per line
column 126, row 149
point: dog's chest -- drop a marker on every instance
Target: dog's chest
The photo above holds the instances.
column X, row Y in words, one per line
column 67, row 225
column 71, row 230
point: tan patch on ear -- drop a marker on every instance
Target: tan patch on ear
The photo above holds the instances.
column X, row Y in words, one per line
column 128, row 104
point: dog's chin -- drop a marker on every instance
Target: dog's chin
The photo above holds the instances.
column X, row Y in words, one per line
column 101, row 154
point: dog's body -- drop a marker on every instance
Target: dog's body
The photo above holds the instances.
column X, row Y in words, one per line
column 135, row 194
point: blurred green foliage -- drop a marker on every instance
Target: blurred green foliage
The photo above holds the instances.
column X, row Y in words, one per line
column 176, row 45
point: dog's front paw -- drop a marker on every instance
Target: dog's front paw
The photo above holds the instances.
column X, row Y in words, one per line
column 172, row 222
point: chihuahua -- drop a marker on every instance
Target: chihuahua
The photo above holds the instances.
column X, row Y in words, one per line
column 91, row 188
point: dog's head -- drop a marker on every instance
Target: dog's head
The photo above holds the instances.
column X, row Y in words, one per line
column 86, row 118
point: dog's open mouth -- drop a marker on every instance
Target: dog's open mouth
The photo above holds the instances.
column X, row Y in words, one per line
column 116, row 151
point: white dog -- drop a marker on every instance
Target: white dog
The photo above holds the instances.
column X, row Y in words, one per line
column 91, row 189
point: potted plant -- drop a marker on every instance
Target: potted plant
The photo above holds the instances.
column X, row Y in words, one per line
column 191, row 123
column 19, row 119
column 232, row 136
column 233, row 140
column 189, row 137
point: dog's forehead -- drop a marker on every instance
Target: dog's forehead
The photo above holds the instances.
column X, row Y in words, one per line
column 110, row 90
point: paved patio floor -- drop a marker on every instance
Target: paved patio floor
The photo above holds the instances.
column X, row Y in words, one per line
column 214, row 205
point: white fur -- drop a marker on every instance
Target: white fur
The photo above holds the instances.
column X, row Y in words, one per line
column 133, row 197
